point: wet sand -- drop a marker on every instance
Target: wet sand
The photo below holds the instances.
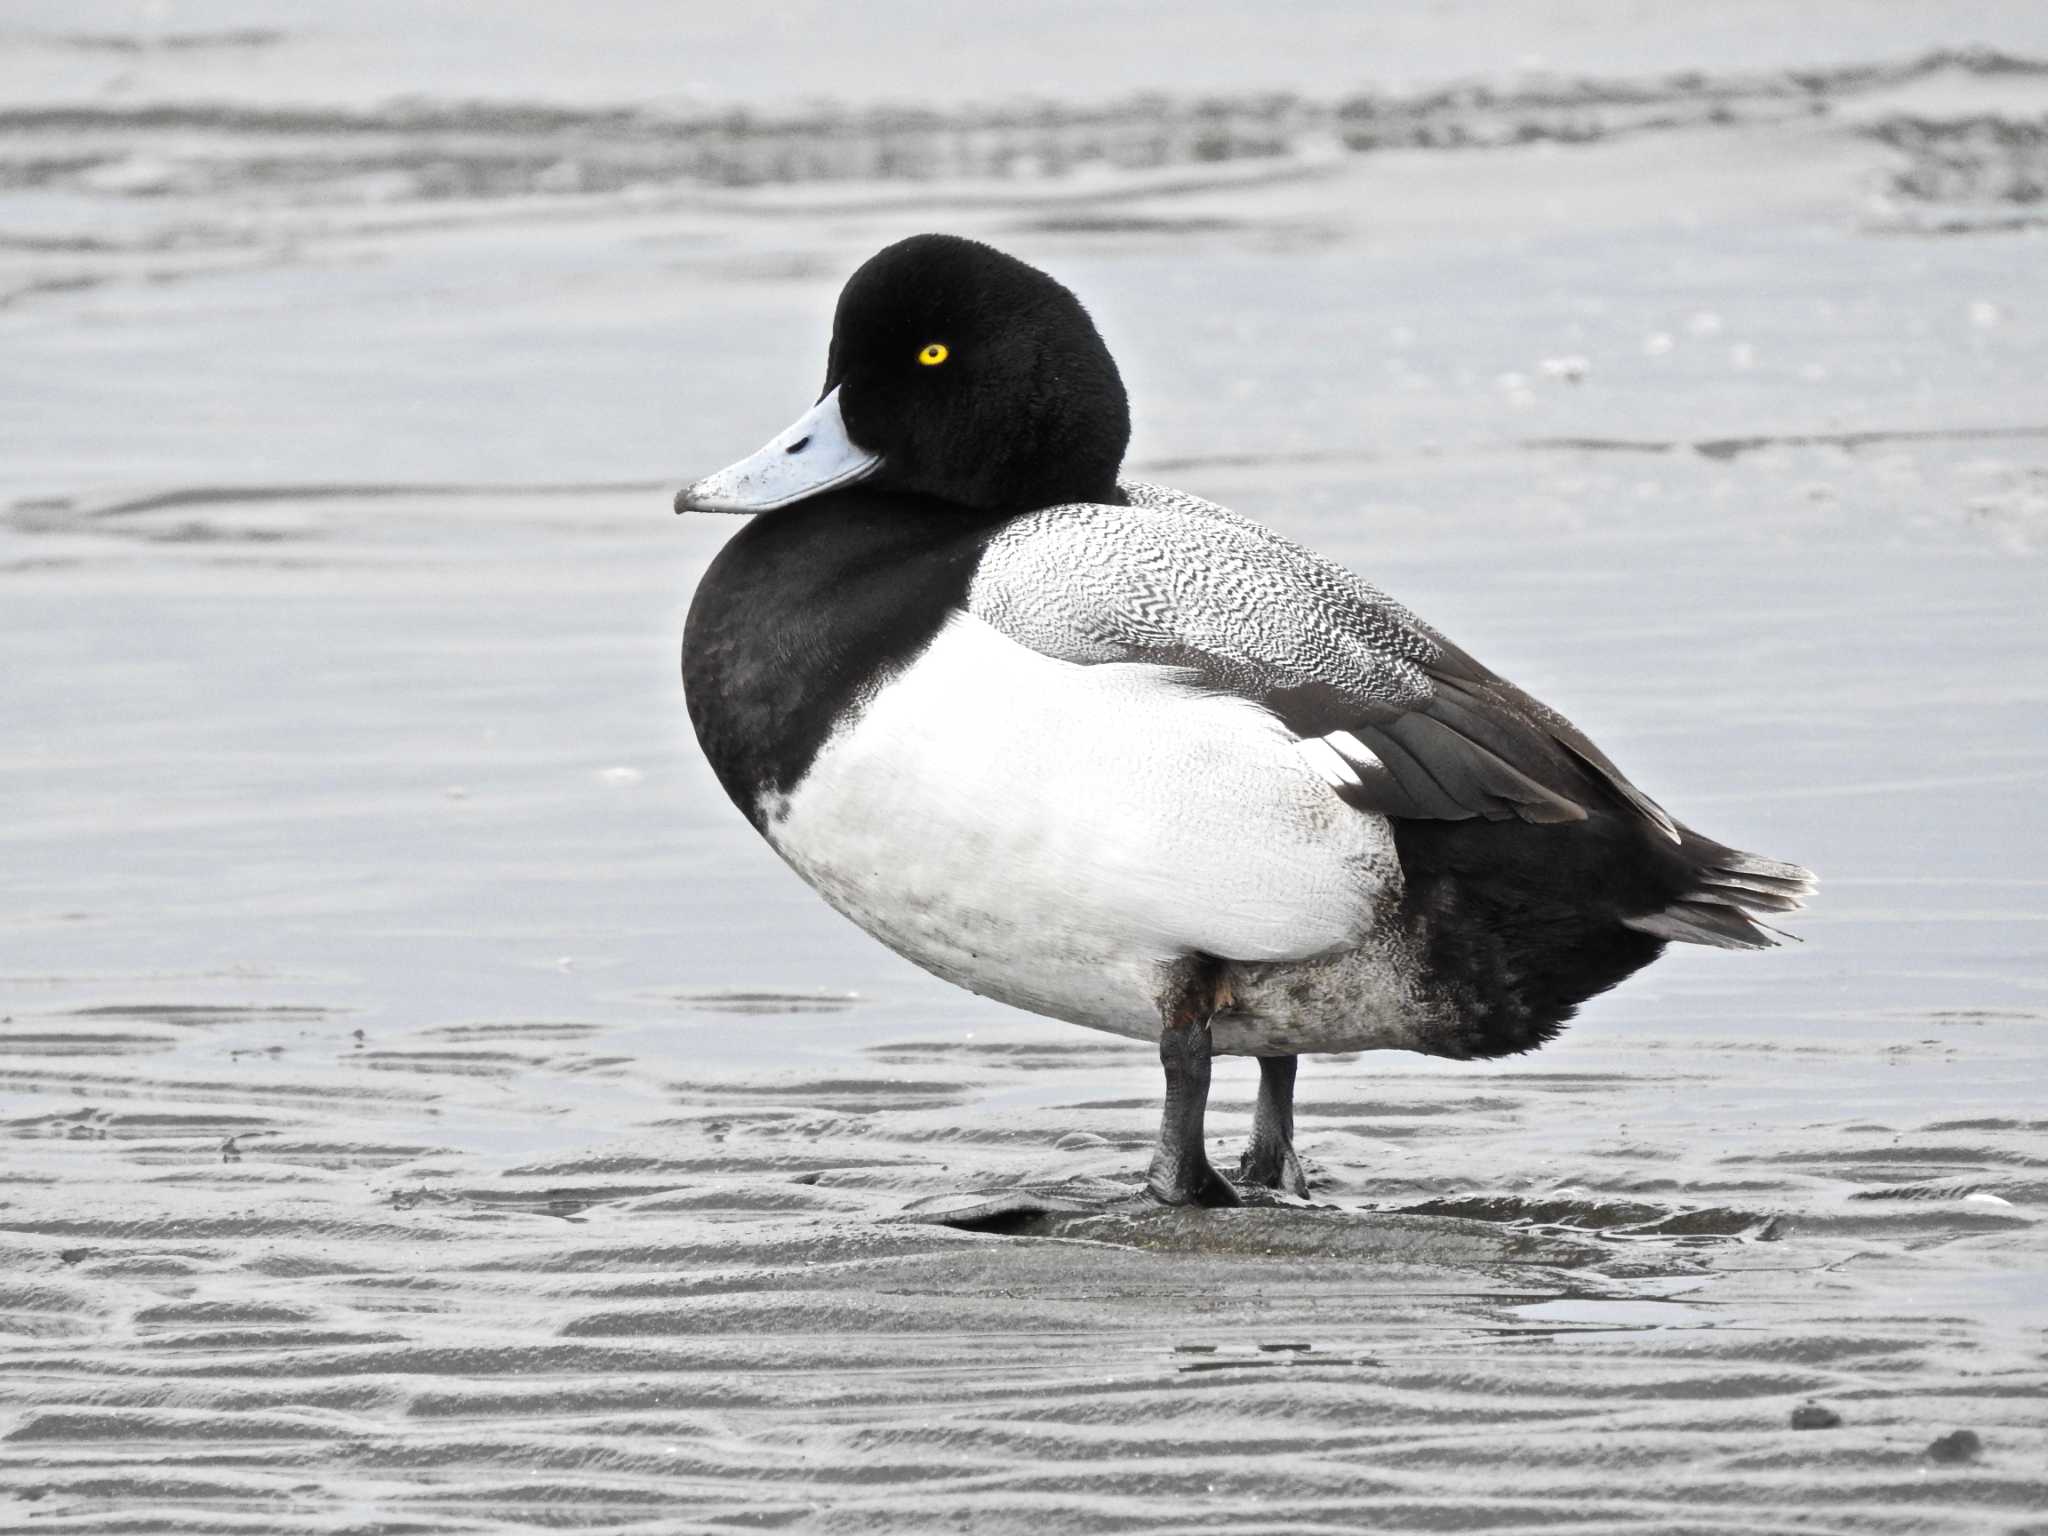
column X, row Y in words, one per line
column 425, row 1106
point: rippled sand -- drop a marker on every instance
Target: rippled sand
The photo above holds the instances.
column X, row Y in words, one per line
column 424, row 1106
column 260, row 1276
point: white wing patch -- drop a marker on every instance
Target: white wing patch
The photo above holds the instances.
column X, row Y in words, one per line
column 1321, row 754
column 1357, row 756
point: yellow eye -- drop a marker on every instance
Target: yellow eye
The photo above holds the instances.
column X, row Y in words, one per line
column 934, row 354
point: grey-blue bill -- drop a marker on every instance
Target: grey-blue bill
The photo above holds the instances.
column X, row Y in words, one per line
column 812, row 454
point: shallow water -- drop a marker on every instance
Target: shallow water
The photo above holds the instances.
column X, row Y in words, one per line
column 427, row 1106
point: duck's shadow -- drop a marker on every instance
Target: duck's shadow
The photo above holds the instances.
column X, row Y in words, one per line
column 1056, row 1209
column 1550, row 1231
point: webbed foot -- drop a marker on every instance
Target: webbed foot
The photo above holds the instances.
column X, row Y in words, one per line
column 1181, row 1183
column 1275, row 1167
column 1269, row 1161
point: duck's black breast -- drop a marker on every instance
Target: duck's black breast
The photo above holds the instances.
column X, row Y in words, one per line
column 804, row 613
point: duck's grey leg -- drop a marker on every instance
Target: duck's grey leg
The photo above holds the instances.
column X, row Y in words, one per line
column 1269, row 1159
column 1180, row 1173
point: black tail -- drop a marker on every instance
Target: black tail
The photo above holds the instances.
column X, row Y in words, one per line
column 1517, row 924
column 1727, row 894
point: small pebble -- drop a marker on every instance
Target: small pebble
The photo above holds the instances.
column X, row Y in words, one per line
column 1952, row 1450
column 1813, row 1416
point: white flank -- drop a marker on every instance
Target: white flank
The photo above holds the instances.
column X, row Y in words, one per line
column 1050, row 834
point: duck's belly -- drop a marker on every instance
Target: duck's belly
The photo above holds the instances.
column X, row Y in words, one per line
column 1053, row 835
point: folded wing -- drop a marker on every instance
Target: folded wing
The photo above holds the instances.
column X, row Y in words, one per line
column 1421, row 729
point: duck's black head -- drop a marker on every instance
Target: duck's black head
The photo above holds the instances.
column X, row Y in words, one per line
column 957, row 372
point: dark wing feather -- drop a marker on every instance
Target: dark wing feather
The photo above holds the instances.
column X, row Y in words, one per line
column 1464, row 775
column 1493, row 713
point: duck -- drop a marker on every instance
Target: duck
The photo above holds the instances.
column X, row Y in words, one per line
column 1108, row 752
